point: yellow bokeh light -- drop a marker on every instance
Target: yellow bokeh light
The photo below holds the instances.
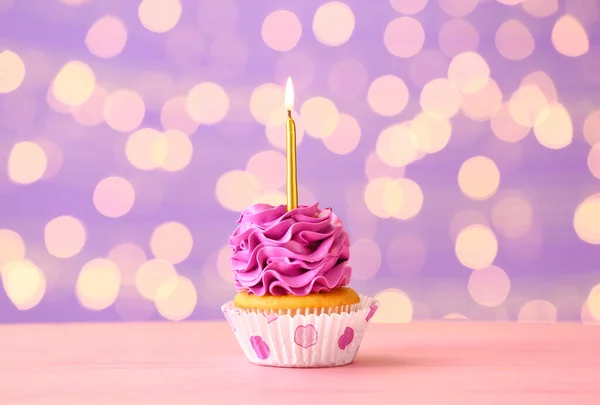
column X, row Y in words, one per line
column 544, row 83
column 366, row 259
column 333, row 23
column 404, row 37
column 124, row 110
column 320, row 117
column 394, row 307
column 593, row 161
column 586, row 220
column 179, row 151
column 374, row 193
column 505, row 127
column 457, row 36
column 460, row 8
column 593, row 302
column 172, row 242
column 113, row 196
column 12, row 247
column 346, row 136
column 64, row 236
column 151, row 275
column 512, row 216
column 537, row 311
column 24, row 283
column 396, row 147
column 106, row 38
column 266, row 102
column 569, row 37
column 476, row 247
column 146, row 149
column 408, row 7
column 237, row 189
column 98, row 284
column 526, row 104
column 410, row 199
column 74, row 83
column 281, row 30
column 12, row 71
column 176, row 299
column 514, row 41
column 540, row 8
column 469, row 72
column 553, row 127
column 91, row 112
column 128, row 257
column 591, row 128
column 479, row 178
column 430, row 132
column 54, row 104
column 159, row 15
column 388, row 95
column 483, row 104
column 489, row 286
column 174, row 115
column 269, row 168
column 27, row 163
column 440, row 97
column 207, row 103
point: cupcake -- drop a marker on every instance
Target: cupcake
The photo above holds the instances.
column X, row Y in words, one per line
column 294, row 307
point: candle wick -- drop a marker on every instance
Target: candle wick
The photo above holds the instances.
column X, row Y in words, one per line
column 289, row 113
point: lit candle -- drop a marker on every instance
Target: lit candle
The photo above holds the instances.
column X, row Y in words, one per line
column 292, row 174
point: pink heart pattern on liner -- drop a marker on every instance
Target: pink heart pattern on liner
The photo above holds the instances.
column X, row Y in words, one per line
column 260, row 347
column 346, row 338
column 372, row 309
column 306, row 336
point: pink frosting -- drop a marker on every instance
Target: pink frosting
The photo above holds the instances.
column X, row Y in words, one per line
column 303, row 251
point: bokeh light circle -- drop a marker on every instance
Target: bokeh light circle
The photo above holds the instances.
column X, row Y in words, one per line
column 179, row 151
column 98, row 284
column 476, row 247
column 64, row 236
column 320, row 117
column 172, row 242
column 207, row 103
column 113, row 196
column 345, row 137
column 176, row 298
column 469, row 72
column 441, row 97
column 512, row 216
column 388, row 95
column 151, row 275
column 569, row 37
column 333, row 23
column 553, row 127
column 146, row 149
column 13, row 71
column 281, row 30
column 479, row 178
column 24, row 283
column 395, row 306
column 586, row 220
column 489, row 286
column 74, row 83
column 514, row 41
column 538, row 311
column 107, row 37
column 159, row 15
column 404, row 37
column 269, row 167
column 124, row 110
column 237, row 189
column 27, row 163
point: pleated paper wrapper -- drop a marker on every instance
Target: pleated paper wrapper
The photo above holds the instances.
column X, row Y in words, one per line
column 313, row 340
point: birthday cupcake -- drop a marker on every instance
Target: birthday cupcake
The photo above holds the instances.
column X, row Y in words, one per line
column 290, row 266
column 293, row 307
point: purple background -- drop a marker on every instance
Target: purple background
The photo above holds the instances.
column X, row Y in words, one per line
column 221, row 42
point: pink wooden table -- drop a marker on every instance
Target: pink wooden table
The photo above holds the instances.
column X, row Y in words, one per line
column 196, row 363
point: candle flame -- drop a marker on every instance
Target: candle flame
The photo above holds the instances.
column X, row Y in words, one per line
column 289, row 95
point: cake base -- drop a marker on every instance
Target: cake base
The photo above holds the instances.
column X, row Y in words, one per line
column 340, row 297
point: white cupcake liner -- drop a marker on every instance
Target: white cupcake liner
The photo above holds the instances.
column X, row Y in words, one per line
column 312, row 340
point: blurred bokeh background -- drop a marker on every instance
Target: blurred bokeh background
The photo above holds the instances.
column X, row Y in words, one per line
column 459, row 140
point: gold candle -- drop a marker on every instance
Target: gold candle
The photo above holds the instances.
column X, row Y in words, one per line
column 292, row 172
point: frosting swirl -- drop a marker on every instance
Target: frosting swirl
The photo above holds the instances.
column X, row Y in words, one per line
column 298, row 252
